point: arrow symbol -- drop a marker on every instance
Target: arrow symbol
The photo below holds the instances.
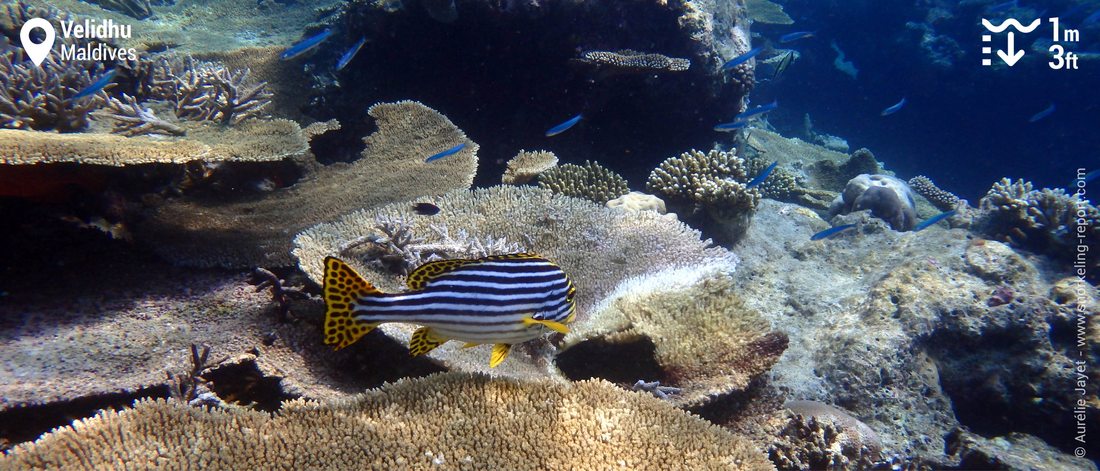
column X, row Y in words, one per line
column 1012, row 55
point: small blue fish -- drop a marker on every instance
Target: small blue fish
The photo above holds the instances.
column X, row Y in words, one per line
column 1078, row 182
column 832, row 231
column 741, row 59
column 894, row 108
column 730, row 126
column 350, row 54
column 1042, row 114
column 932, row 220
column 763, row 175
column 305, row 45
column 758, row 110
column 96, row 86
column 786, row 38
column 452, row 151
column 554, row 131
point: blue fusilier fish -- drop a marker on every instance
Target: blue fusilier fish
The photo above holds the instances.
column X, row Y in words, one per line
column 763, row 175
column 758, row 110
column 832, row 231
column 741, row 59
column 500, row 300
column 730, row 126
column 1077, row 182
column 1042, row 114
column 786, row 38
column 932, row 220
column 554, row 131
column 893, row 108
column 96, row 86
column 452, row 151
column 350, row 54
column 305, row 45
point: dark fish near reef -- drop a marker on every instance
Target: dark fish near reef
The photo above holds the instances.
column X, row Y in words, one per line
column 758, row 110
column 554, row 131
column 893, row 108
column 350, row 54
column 741, row 59
column 832, row 231
column 730, row 126
column 426, row 209
column 306, row 45
column 763, row 175
column 501, row 300
column 1042, row 114
column 786, row 38
column 96, row 86
column 783, row 64
column 452, row 151
column 932, row 220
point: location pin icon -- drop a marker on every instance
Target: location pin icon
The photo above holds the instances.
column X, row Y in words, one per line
column 37, row 52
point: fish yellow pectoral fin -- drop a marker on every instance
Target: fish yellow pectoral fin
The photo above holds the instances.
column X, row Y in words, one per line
column 342, row 288
column 500, row 352
column 470, row 345
column 555, row 326
column 425, row 340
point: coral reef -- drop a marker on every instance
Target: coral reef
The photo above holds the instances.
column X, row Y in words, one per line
column 131, row 119
column 598, row 247
column 713, row 183
column 208, row 91
column 252, row 141
column 633, row 61
column 766, row 11
column 707, row 343
column 942, row 200
column 813, row 435
column 590, row 181
column 888, row 198
column 1016, row 451
column 1046, row 221
column 834, row 175
column 527, row 165
column 454, row 420
column 638, row 201
column 894, row 328
column 140, row 9
column 41, row 97
column 258, row 231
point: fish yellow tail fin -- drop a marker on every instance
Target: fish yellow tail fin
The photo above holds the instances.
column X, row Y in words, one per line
column 342, row 288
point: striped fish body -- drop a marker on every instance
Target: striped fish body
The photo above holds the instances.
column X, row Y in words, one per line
column 500, row 300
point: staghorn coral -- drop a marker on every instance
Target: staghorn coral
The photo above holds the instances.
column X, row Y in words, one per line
column 942, row 200
column 131, row 119
column 598, row 247
column 1047, row 221
column 713, row 182
column 590, row 181
column 253, row 141
column 707, row 343
column 451, row 420
column 628, row 60
column 258, row 231
column 527, row 165
column 40, row 97
column 208, row 91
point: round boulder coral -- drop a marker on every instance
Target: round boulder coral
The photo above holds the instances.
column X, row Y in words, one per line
column 888, row 198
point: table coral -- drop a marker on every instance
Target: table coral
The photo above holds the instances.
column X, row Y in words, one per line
column 453, row 420
column 527, row 165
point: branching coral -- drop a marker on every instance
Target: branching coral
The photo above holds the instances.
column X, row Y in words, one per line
column 1044, row 220
column 436, row 422
column 942, row 200
column 633, row 61
column 818, row 436
column 590, row 181
column 209, row 91
column 527, row 165
column 714, row 182
column 131, row 119
column 41, row 97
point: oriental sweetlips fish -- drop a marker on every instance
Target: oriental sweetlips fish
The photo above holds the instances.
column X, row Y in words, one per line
column 501, row 300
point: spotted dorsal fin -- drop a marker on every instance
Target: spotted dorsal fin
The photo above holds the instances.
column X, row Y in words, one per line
column 420, row 277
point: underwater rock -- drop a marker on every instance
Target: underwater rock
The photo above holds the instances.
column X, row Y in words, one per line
column 895, row 328
column 638, row 201
column 597, row 247
column 453, row 420
column 527, row 165
column 590, row 181
column 707, row 343
column 255, row 231
column 888, row 198
column 1013, row 452
column 833, row 175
